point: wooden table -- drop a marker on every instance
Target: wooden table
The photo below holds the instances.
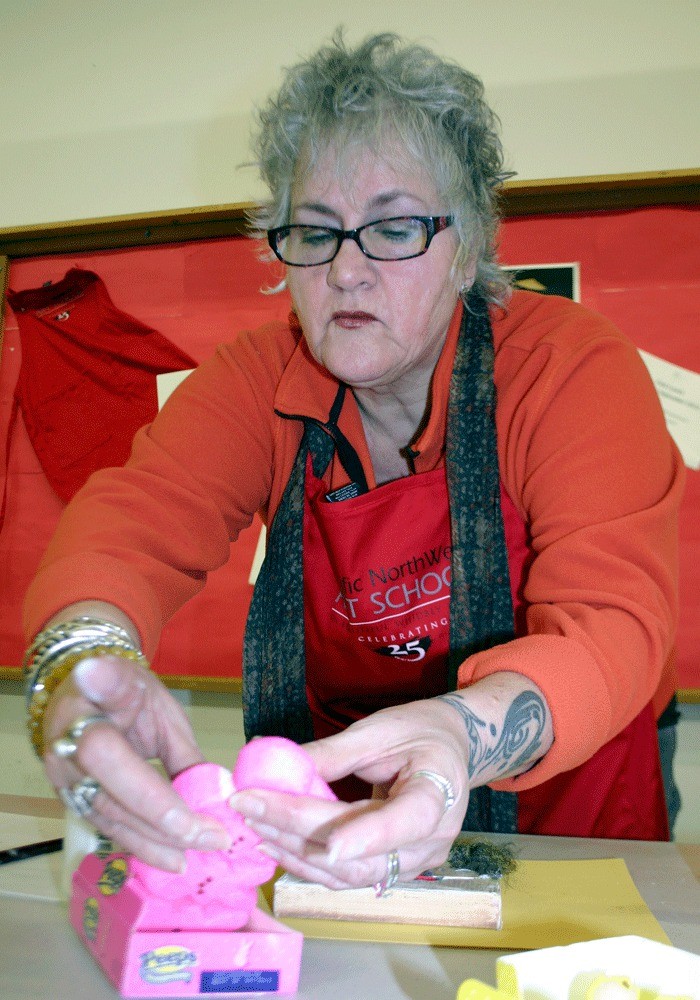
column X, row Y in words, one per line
column 41, row 957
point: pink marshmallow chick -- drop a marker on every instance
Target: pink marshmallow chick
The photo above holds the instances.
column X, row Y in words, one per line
column 216, row 885
column 280, row 765
column 225, row 882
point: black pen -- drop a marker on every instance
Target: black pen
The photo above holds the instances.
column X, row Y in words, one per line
column 30, row 850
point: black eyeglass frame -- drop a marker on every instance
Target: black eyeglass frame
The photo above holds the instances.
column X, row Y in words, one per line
column 434, row 224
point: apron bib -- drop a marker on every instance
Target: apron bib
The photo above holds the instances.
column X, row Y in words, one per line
column 376, row 615
column 376, row 597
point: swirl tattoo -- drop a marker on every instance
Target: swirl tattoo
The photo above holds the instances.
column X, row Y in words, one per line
column 518, row 743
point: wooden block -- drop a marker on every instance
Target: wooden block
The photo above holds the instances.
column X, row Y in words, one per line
column 453, row 900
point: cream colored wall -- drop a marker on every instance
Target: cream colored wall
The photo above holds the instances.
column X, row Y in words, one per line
column 144, row 105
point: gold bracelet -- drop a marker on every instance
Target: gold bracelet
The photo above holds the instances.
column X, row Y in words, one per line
column 56, row 640
column 45, row 685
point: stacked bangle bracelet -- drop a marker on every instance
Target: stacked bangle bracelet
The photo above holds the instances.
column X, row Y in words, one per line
column 54, row 653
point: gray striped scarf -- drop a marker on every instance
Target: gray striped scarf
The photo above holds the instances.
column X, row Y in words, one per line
column 481, row 612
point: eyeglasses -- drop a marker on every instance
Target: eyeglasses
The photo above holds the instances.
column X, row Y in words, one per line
column 386, row 239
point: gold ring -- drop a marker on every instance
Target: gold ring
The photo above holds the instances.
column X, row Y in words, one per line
column 67, row 745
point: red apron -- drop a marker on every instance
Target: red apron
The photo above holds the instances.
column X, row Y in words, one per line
column 376, row 594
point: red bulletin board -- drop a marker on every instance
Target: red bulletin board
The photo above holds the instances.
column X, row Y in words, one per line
column 638, row 267
column 197, row 294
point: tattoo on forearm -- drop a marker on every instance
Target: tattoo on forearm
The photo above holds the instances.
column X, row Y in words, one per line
column 520, row 739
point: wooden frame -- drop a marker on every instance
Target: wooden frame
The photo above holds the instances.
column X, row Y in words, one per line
column 520, row 198
column 536, row 197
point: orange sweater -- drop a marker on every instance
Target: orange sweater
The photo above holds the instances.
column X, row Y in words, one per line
column 583, row 452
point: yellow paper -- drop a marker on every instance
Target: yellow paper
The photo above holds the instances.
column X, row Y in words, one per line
column 545, row 903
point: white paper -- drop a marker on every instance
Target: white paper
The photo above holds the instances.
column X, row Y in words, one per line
column 679, row 392
column 34, row 878
column 258, row 556
column 167, row 382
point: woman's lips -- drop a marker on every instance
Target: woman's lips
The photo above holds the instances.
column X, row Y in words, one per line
column 352, row 320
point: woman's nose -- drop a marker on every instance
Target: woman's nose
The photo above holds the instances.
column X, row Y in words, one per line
column 350, row 267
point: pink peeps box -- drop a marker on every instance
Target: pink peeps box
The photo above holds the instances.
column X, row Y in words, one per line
column 155, row 933
column 142, row 957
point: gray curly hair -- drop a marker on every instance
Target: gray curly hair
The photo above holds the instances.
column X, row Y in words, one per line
column 381, row 89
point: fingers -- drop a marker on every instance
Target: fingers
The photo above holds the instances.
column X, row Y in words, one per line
column 167, row 858
column 426, row 735
column 302, row 847
column 418, row 816
column 306, row 868
column 340, row 844
column 114, row 684
column 349, row 752
column 123, row 692
column 314, row 862
column 136, row 805
column 137, row 790
column 106, row 686
column 308, row 818
column 147, row 842
column 410, row 817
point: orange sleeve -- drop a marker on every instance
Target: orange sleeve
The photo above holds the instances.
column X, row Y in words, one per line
column 586, row 456
column 145, row 536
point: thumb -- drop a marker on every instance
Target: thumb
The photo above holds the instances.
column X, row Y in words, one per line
column 116, row 685
column 341, row 754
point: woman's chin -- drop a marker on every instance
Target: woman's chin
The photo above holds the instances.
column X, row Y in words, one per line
column 359, row 371
column 363, row 377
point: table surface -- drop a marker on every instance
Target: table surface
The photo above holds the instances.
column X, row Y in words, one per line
column 41, row 957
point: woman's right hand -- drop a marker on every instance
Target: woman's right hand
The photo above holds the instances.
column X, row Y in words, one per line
column 136, row 805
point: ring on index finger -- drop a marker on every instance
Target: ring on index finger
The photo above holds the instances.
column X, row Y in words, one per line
column 67, row 745
column 79, row 799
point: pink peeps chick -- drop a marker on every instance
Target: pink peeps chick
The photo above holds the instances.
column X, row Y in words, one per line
column 278, row 764
column 221, row 886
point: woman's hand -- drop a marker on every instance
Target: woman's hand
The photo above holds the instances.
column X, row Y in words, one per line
column 135, row 806
column 498, row 727
column 342, row 845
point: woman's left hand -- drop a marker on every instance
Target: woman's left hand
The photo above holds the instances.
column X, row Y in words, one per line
column 343, row 845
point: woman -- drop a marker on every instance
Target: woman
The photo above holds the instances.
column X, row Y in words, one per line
column 468, row 598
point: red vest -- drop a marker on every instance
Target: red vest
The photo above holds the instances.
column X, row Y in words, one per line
column 88, row 377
